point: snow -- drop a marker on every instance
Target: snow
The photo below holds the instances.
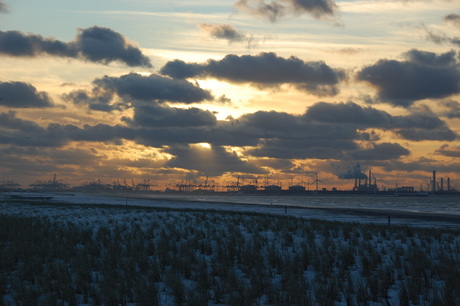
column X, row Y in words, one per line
column 242, row 250
column 430, row 211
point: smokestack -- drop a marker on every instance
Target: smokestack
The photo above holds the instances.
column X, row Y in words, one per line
column 434, row 181
column 442, row 184
column 369, row 178
column 448, row 184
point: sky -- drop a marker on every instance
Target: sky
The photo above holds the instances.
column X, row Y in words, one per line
column 281, row 91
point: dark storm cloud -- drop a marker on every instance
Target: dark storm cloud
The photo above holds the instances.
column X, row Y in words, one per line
column 330, row 130
column 449, row 151
column 418, row 120
column 152, row 88
column 431, row 59
column 421, row 164
column 415, row 126
column 97, row 100
column 164, row 116
column 72, row 156
column 43, row 162
column 272, row 123
column 157, row 126
column 212, row 161
column 423, row 75
column 20, row 132
column 303, row 148
column 317, row 135
column 264, row 134
column 20, row 94
column 179, row 69
column 263, row 70
column 287, row 136
column 107, row 107
column 421, row 126
column 349, row 113
column 158, row 137
column 172, row 133
column 104, row 45
column 381, row 151
column 95, row 44
column 277, row 9
column 440, row 133
column 95, row 133
column 69, row 156
column 9, row 121
column 453, row 109
column 15, row 43
column 282, row 125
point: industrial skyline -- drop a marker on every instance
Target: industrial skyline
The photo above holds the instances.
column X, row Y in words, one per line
column 252, row 185
column 283, row 90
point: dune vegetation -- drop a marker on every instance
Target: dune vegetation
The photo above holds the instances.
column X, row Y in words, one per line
column 113, row 255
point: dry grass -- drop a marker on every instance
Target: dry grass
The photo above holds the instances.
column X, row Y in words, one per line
column 73, row 255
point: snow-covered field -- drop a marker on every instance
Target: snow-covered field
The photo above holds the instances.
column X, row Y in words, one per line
column 227, row 251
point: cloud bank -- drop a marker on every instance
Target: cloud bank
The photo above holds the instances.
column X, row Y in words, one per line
column 134, row 87
column 325, row 131
column 212, row 161
column 95, row 44
column 422, row 75
column 21, row 95
column 263, row 70
column 163, row 116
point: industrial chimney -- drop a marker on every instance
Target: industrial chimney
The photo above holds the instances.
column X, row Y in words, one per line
column 370, row 182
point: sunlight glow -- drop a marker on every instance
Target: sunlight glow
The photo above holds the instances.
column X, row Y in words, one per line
column 205, row 145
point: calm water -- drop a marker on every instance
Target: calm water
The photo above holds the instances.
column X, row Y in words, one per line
column 443, row 204
column 438, row 206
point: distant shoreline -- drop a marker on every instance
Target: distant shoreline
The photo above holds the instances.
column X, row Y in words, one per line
column 263, row 204
column 392, row 213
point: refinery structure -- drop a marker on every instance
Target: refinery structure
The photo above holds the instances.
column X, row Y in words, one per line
column 366, row 184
